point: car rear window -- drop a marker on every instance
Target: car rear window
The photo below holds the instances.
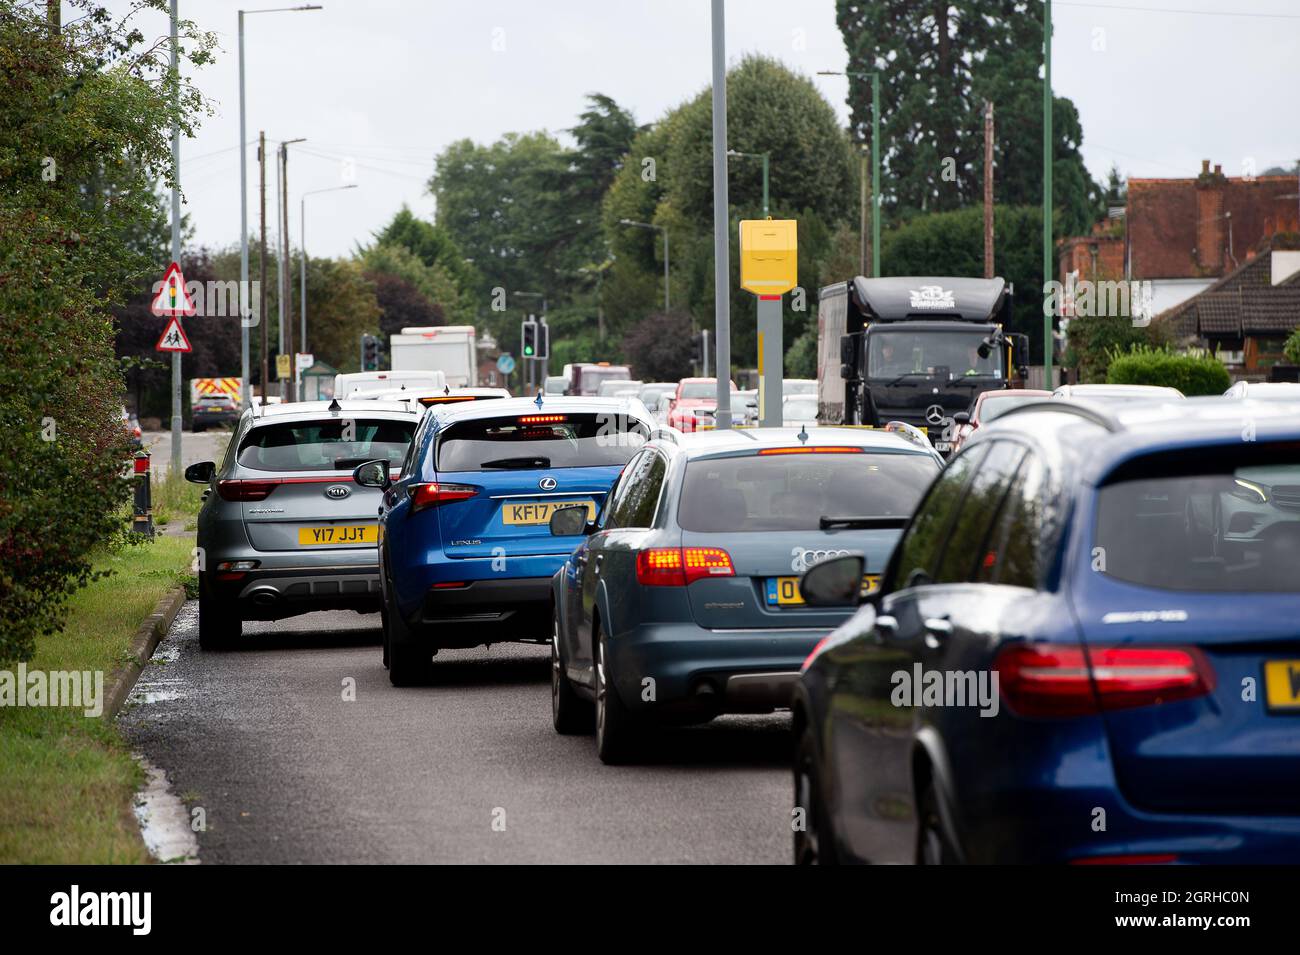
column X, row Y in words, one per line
column 540, row 442
column 792, row 492
column 337, row 444
column 1216, row 520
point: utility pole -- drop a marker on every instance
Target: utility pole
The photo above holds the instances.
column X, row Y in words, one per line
column 1047, row 187
column 721, row 218
column 279, row 268
column 261, row 261
column 286, row 284
column 988, row 189
column 178, row 429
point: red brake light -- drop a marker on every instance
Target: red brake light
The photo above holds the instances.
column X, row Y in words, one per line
column 1041, row 680
column 432, row 495
column 245, row 490
column 824, row 449
column 542, row 418
column 706, row 562
column 444, row 399
column 660, row 567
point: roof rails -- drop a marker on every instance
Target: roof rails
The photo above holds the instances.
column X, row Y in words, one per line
column 1064, row 406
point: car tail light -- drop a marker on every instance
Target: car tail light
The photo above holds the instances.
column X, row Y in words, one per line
column 660, row 567
column 245, row 490
column 1049, row 681
column 703, row 562
column 434, row 495
column 542, row 418
column 677, row 567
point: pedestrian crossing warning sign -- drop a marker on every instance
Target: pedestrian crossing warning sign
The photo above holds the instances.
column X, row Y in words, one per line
column 170, row 297
column 173, row 337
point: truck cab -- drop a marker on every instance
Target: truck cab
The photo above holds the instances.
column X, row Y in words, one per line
column 914, row 349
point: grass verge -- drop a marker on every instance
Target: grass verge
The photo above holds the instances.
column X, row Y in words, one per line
column 67, row 781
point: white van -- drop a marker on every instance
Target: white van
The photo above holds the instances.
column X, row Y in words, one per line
column 350, row 385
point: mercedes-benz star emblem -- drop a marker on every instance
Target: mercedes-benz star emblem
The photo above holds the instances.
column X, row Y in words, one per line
column 547, row 484
column 934, row 414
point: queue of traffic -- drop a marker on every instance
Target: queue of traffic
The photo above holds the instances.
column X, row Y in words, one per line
column 1071, row 641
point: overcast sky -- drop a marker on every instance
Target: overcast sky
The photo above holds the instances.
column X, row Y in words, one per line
column 388, row 84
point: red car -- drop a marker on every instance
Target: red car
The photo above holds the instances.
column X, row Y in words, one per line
column 693, row 393
column 988, row 406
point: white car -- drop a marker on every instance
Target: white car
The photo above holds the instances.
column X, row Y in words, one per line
column 352, row 384
column 1265, row 390
column 797, row 410
column 1116, row 394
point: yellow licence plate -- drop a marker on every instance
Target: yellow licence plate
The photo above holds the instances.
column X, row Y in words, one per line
column 539, row 512
column 1282, row 684
column 338, row 534
column 784, row 591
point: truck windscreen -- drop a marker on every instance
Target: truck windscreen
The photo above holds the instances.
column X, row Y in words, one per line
column 895, row 352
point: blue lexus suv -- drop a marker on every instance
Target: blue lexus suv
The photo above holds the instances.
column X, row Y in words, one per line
column 465, row 549
column 681, row 602
column 1085, row 649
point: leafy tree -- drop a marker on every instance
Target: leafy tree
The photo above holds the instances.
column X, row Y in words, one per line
column 435, row 283
column 402, row 305
column 660, row 346
column 341, row 307
column 938, row 63
column 433, row 246
column 83, row 107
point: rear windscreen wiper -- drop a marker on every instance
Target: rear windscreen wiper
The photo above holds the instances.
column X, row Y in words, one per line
column 342, row 464
column 519, row 463
column 882, row 522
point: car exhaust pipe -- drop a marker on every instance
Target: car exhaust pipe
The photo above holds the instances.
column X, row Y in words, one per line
column 265, row 597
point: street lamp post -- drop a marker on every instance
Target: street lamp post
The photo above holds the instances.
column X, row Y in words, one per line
column 767, row 158
column 302, row 262
column 284, row 307
column 664, row 230
column 875, row 160
column 245, row 388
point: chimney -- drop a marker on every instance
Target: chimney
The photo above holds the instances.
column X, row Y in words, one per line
column 1210, row 225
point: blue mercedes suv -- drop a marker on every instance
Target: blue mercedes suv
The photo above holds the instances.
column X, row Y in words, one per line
column 1085, row 649
column 465, row 549
column 681, row 602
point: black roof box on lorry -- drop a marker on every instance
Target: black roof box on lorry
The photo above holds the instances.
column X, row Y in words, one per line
column 935, row 297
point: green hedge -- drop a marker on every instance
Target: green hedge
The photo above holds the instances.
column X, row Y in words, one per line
column 1192, row 374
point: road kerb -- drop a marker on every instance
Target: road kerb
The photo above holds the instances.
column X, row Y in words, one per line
column 143, row 644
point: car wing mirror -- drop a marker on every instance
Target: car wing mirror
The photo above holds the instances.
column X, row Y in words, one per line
column 834, row 583
column 200, row 473
column 373, row 474
column 570, row 521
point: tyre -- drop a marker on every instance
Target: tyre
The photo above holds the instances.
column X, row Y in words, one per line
column 383, row 624
column 933, row 847
column 813, row 842
column 220, row 626
column 570, row 714
column 409, row 658
column 616, row 733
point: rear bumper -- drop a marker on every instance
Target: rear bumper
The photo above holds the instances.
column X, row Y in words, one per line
column 271, row 593
column 698, row 673
column 485, row 611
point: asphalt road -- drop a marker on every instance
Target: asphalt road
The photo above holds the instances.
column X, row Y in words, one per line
column 204, row 446
column 467, row 769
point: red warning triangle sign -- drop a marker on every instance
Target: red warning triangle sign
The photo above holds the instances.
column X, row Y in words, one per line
column 172, row 299
column 173, row 337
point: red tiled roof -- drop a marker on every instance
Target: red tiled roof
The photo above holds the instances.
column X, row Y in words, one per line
column 1163, row 215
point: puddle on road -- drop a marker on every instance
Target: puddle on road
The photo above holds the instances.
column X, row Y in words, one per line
column 157, row 691
column 164, row 820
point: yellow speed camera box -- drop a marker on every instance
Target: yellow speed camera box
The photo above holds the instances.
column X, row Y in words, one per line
column 769, row 255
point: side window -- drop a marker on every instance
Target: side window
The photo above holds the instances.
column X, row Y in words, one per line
column 638, row 493
column 965, row 548
column 1015, row 550
column 408, row 463
column 919, row 549
column 616, row 505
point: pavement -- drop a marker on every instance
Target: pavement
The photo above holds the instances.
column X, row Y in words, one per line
column 468, row 769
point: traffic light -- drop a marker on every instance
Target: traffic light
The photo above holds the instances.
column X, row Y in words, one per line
column 528, row 345
column 370, row 350
column 543, row 340
column 697, row 348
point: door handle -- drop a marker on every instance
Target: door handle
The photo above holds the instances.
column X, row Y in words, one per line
column 599, row 558
column 937, row 630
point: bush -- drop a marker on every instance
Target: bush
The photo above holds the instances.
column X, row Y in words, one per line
column 1292, row 348
column 1192, row 373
